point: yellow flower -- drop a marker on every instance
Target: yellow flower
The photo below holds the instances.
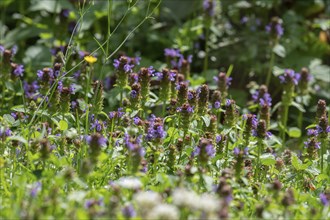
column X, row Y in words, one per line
column 90, row 59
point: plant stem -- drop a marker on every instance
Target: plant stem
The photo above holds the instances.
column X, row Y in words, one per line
column 259, row 146
column 323, row 146
column 284, row 122
column 300, row 119
column 164, row 108
column 270, row 68
column 206, row 58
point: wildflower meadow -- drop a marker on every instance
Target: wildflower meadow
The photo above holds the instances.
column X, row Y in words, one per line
column 164, row 109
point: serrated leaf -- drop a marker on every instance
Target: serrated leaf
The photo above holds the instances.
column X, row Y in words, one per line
column 294, row 132
column 267, row 159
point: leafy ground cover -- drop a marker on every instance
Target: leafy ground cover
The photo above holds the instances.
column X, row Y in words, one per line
column 116, row 110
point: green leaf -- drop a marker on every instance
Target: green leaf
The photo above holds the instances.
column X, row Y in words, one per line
column 18, row 108
column 36, row 134
column 82, row 104
column 277, row 71
column 230, row 70
column 134, row 113
column 297, row 164
column 17, row 138
column 279, row 50
column 294, row 132
column 298, row 106
column 9, row 86
column 9, row 119
column 207, row 120
column 267, row 159
column 63, row 125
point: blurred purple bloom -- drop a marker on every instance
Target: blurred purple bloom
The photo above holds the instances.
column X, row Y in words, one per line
column 172, row 76
column 209, row 6
column 279, row 29
column 217, row 105
column 133, row 94
column 210, row 150
column 60, row 86
column 320, row 130
column 324, row 199
column 36, row 187
column 116, row 64
column 136, row 120
column 218, row 138
column 31, row 90
column 236, row 151
column 128, row 211
column 190, row 109
column 128, row 68
column 190, row 95
column 159, row 75
column 14, row 49
column 112, row 115
column 196, row 152
column 18, row 71
column 246, row 151
column 228, row 102
column 312, row 132
column 170, row 52
column 244, row 19
column 289, row 76
column 120, row 112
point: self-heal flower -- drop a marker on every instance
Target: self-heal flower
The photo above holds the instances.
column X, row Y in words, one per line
column 17, row 70
column 217, row 105
column 289, row 77
column 95, row 141
column 275, row 27
column 204, row 150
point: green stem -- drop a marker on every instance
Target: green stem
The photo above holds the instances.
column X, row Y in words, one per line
column 164, row 108
column 271, row 63
column 206, row 58
column 300, row 119
column 284, row 122
column 323, row 146
column 259, row 146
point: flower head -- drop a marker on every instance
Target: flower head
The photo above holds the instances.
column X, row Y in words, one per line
column 90, row 59
column 289, row 77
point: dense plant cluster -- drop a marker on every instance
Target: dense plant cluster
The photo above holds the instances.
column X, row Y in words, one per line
column 94, row 134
